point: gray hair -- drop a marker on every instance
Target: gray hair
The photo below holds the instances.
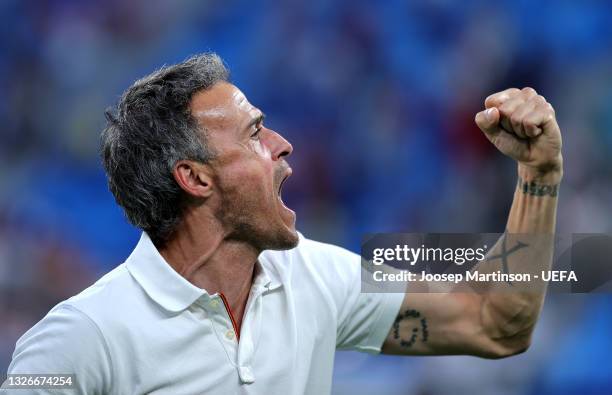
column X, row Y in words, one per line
column 147, row 133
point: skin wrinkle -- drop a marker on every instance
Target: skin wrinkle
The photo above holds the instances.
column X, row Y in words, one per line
column 190, row 167
column 239, row 213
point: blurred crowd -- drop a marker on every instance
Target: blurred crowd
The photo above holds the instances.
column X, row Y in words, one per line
column 378, row 100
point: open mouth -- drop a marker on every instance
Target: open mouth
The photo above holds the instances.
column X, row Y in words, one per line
column 280, row 186
column 286, row 213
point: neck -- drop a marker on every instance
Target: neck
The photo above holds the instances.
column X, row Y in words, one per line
column 201, row 252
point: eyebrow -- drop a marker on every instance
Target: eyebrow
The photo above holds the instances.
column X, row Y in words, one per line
column 256, row 120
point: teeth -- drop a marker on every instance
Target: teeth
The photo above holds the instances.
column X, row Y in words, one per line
column 280, row 187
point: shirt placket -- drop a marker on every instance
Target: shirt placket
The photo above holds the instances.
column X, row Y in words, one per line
column 222, row 324
column 240, row 348
column 249, row 335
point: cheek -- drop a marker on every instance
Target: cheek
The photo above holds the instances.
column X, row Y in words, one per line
column 250, row 177
column 246, row 173
column 260, row 149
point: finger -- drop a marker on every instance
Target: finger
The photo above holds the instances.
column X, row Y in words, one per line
column 512, row 146
column 516, row 119
column 488, row 122
column 537, row 120
column 528, row 92
column 507, row 143
column 506, row 110
column 531, row 129
column 497, row 99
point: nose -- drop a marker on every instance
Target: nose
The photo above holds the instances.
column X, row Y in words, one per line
column 279, row 147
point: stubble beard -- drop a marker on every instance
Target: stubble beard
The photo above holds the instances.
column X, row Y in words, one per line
column 246, row 223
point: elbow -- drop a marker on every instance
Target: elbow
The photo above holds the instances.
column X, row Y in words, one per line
column 508, row 347
column 508, row 328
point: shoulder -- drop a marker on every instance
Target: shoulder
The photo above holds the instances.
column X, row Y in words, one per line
column 64, row 331
column 65, row 341
column 77, row 335
column 114, row 298
column 311, row 252
column 71, row 326
column 315, row 254
column 76, row 326
column 316, row 270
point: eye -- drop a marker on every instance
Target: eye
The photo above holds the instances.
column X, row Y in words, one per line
column 255, row 135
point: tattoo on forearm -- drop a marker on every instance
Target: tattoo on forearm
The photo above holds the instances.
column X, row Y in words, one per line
column 417, row 325
column 533, row 189
column 506, row 252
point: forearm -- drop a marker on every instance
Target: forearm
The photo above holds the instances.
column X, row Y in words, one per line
column 510, row 314
column 495, row 319
column 534, row 208
column 492, row 319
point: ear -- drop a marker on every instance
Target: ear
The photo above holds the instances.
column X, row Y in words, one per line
column 194, row 178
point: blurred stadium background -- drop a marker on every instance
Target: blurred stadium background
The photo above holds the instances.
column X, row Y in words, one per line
column 378, row 100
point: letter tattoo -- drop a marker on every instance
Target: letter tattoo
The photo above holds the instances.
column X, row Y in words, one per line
column 416, row 325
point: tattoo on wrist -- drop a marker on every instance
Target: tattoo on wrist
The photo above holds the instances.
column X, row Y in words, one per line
column 533, row 189
column 416, row 325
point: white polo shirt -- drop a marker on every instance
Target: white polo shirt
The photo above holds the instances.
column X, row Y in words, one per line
column 144, row 329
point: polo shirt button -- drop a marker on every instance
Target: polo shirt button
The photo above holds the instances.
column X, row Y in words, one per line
column 246, row 374
column 214, row 303
column 229, row 334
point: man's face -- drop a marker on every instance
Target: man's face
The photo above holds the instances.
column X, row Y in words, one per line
column 248, row 170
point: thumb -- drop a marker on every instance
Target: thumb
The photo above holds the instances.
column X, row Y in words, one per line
column 488, row 121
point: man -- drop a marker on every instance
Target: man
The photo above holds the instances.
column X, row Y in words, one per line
column 222, row 294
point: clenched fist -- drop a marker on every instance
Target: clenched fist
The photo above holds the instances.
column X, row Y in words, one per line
column 522, row 125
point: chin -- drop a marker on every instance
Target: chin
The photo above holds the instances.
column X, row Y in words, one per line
column 279, row 237
column 284, row 240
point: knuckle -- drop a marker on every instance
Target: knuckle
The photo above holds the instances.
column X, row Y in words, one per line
column 499, row 98
column 547, row 111
column 529, row 91
column 539, row 99
column 512, row 92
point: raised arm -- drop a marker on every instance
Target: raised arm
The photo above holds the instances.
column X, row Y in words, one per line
column 522, row 125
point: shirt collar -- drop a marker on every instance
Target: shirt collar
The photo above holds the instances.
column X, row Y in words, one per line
column 168, row 288
column 267, row 275
column 159, row 280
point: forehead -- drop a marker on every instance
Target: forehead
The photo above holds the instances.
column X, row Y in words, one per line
column 223, row 106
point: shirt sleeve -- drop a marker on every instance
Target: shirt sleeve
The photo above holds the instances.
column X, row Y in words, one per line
column 66, row 341
column 363, row 319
